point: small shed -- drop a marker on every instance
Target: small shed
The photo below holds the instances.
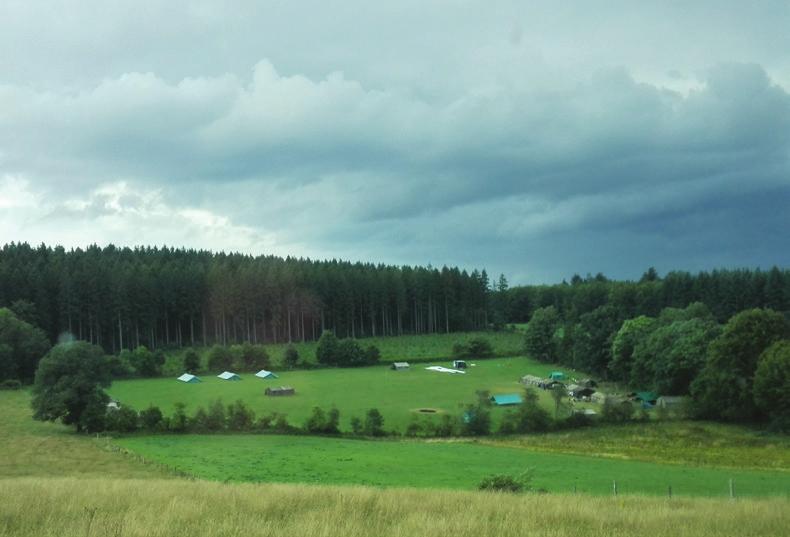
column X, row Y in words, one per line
column 400, row 366
column 280, row 390
column 227, row 375
column 557, row 375
column 459, row 364
column 531, row 380
column 188, row 378
column 263, row 374
column 113, row 405
column 506, row 399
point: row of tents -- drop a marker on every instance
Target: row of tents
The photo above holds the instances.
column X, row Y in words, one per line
column 226, row 375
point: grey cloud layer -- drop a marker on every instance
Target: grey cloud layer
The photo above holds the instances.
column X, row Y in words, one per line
column 470, row 136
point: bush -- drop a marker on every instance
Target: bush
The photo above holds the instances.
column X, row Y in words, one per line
column 374, row 423
column 247, row 357
column 10, row 384
column 327, row 350
column 291, row 357
column 476, row 347
column 151, row 419
column 122, row 420
column 507, row 483
column 321, row 422
column 191, row 362
column 220, row 358
column 614, row 411
column 179, row 422
column 240, row 417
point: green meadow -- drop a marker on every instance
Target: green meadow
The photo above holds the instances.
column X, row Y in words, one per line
column 434, row 464
column 397, row 394
column 393, row 349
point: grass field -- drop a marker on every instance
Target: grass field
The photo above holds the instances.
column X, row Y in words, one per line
column 397, row 394
column 55, row 483
column 441, row 464
column 33, row 448
column 177, row 508
column 685, row 442
column 419, row 347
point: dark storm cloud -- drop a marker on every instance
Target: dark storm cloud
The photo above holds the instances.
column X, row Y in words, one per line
column 536, row 140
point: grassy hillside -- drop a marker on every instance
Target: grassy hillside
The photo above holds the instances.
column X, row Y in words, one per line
column 33, row 448
column 459, row 465
column 397, row 394
column 409, row 347
column 133, row 508
column 686, row 443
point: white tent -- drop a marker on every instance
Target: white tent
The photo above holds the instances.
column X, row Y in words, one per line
column 186, row 377
column 263, row 374
column 227, row 375
column 441, row 369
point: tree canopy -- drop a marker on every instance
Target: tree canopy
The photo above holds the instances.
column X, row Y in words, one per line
column 68, row 386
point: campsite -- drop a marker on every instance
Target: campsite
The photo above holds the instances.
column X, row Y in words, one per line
column 351, row 390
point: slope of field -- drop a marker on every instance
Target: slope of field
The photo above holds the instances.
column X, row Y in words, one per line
column 33, row 448
column 133, row 508
column 397, row 394
column 685, row 442
column 408, row 347
column 460, row 465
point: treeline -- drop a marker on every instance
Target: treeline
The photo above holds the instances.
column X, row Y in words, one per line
column 739, row 371
column 123, row 298
column 724, row 292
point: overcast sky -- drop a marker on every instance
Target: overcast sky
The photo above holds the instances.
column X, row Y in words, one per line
column 536, row 139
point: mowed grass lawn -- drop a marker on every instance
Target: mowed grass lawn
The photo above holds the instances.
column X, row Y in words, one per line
column 429, row 464
column 397, row 394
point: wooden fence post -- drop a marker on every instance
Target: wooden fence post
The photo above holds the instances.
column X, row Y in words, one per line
column 614, row 487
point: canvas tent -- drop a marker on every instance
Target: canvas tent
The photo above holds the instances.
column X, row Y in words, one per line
column 400, row 366
column 189, row 378
column 441, row 369
column 280, row 390
column 506, row 399
column 227, row 375
column 263, row 374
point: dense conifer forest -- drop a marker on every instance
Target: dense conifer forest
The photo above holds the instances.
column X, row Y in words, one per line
column 122, row 298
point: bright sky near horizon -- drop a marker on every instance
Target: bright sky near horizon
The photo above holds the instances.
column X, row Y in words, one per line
column 536, row 139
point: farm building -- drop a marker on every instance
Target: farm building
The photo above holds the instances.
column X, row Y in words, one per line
column 227, row 375
column 188, row 378
column 459, row 364
column 587, row 383
column 400, row 366
column 531, row 380
column 263, row 374
column 557, row 375
column 280, row 390
column 506, row 399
